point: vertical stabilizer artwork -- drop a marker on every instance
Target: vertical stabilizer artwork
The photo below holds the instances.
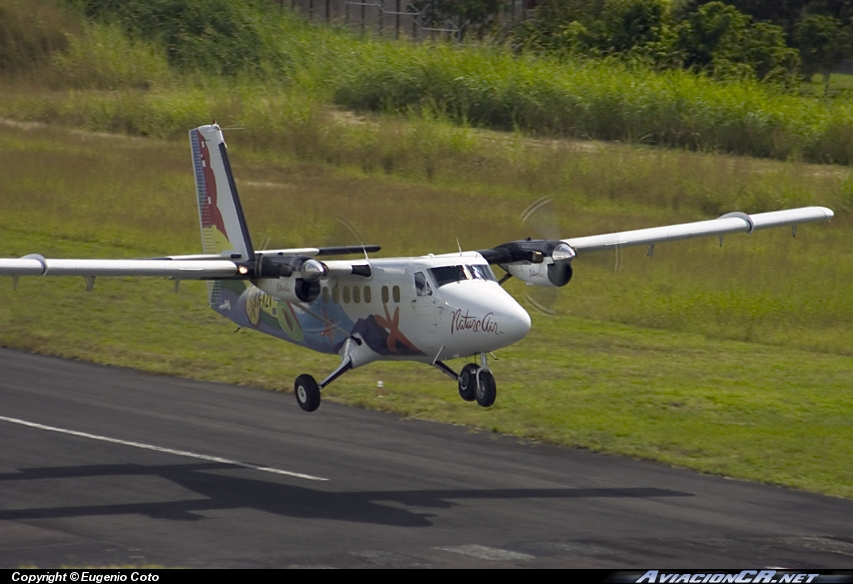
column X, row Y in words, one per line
column 223, row 226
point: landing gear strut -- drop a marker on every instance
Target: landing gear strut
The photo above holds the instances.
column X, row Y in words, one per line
column 307, row 389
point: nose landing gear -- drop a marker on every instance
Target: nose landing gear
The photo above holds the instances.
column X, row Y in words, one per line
column 486, row 388
column 476, row 382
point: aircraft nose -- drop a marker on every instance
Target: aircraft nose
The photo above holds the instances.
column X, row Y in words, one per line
column 485, row 313
column 517, row 321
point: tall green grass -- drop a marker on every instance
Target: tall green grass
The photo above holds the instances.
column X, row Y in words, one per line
column 603, row 100
column 249, row 58
column 30, row 32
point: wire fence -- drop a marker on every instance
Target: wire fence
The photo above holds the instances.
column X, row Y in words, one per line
column 396, row 18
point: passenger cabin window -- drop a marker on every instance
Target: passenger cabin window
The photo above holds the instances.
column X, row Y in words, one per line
column 356, row 294
column 346, row 294
column 449, row 274
column 396, row 294
column 367, row 294
column 336, row 295
column 385, row 295
column 325, row 295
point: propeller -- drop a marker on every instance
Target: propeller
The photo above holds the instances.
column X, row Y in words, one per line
column 544, row 264
column 540, row 217
column 525, row 259
column 344, row 234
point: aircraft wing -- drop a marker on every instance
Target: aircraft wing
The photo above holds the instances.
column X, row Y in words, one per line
column 548, row 262
column 199, row 269
column 730, row 223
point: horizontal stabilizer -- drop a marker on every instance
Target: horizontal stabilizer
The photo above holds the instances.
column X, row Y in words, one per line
column 322, row 251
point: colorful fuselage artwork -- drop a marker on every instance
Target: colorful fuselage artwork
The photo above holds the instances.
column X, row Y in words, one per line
column 401, row 312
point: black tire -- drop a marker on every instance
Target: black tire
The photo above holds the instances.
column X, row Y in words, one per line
column 468, row 382
column 486, row 388
column 307, row 393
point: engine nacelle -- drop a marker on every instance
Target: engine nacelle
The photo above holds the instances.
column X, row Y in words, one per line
column 538, row 269
column 290, row 289
column 547, row 273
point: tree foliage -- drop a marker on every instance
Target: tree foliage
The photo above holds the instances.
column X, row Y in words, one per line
column 716, row 37
column 476, row 17
column 710, row 37
column 823, row 41
column 219, row 36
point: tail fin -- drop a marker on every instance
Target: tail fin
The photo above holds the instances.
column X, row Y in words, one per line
column 223, row 226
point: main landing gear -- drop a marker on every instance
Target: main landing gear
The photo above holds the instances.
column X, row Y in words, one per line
column 476, row 382
column 306, row 388
column 307, row 392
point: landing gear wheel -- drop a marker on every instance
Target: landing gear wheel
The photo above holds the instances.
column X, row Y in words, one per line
column 468, row 382
column 486, row 389
column 307, row 393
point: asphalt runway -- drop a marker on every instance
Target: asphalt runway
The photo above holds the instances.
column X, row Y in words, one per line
column 103, row 466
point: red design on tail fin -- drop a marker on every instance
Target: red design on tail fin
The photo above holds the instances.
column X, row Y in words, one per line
column 210, row 188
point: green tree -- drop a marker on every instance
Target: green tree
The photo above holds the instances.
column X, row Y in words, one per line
column 641, row 29
column 632, row 23
column 560, row 27
column 712, row 29
column 718, row 38
column 625, row 28
column 477, row 17
column 824, row 42
column 787, row 13
column 219, row 36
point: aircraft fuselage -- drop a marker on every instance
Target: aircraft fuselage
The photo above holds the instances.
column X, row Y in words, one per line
column 427, row 309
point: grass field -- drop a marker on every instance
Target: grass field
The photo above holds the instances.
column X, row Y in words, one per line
column 734, row 361
column 840, row 86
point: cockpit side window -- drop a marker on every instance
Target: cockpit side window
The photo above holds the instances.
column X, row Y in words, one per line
column 422, row 287
column 482, row 272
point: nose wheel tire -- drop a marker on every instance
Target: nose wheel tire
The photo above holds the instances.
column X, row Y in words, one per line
column 486, row 388
column 307, row 393
column 468, row 382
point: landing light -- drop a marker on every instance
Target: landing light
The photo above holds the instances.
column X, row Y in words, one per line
column 243, row 270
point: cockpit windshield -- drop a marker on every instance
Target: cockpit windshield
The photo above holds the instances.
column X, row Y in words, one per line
column 449, row 274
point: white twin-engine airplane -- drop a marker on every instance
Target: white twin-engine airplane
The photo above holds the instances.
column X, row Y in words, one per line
column 428, row 309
